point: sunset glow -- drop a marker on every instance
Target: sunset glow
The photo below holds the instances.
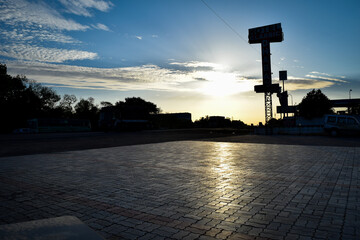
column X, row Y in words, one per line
column 219, row 84
column 179, row 54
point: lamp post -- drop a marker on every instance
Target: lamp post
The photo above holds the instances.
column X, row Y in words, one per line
column 292, row 103
column 349, row 101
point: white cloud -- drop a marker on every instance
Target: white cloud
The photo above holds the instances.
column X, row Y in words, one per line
column 44, row 35
column 100, row 26
column 197, row 64
column 145, row 77
column 152, row 77
column 35, row 22
column 34, row 53
column 36, row 36
column 296, row 83
column 326, row 77
column 330, row 77
column 30, row 24
column 128, row 78
column 35, row 15
column 81, row 7
column 320, row 73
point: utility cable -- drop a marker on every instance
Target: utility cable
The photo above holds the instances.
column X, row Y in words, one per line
column 227, row 24
column 232, row 29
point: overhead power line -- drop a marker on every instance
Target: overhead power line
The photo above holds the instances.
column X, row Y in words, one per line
column 232, row 29
column 227, row 24
column 223, row 20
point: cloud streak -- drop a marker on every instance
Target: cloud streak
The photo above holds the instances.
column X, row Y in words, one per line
column 314, row 80
column 326, row 76
column 33, row 30
column 153, row 77
column 197, row 64
column 82, row 7
column 128, row 78
column 35, row 15
column 296, row 83
column 100, row 26
column 35, row 36
column 34, row 53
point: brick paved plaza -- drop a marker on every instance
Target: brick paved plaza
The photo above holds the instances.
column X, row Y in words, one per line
column 191, row 190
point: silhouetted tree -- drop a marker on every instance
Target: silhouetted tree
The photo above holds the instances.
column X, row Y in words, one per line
column 106, row 104
column 314, row 104
column 238, row 124
column 149, row 107
column 135, row 108
column 46, row 99
column 3, row 69
column 202, row 122
column 65, row 108
column 21, row 99
column 219, row 122
column 15, row 101
column 86, row 109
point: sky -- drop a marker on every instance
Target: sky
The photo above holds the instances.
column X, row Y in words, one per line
column 183, row 55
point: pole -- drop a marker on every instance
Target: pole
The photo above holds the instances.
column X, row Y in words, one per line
column 349, row 101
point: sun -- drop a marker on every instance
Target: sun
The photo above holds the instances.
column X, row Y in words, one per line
column 222, row 84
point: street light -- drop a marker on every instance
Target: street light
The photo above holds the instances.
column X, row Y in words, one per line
column 292, row 103
column 349, row 101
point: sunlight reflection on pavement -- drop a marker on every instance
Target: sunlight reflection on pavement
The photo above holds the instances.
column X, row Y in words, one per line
column 190, row 189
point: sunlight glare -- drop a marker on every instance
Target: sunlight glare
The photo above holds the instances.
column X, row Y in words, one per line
column 223, row 166
column 220, row 84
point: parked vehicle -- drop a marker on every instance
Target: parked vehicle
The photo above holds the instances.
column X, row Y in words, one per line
column 342, row 124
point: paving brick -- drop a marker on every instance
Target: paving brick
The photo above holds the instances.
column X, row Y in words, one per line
column 213, row 232
column 240, row 236
column 191, row 190
column 180, row 234
column 191, row 236
column 224, row 234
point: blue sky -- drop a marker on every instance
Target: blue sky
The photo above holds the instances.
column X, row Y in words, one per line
column 179, row 54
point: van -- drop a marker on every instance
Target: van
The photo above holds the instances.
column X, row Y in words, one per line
column 341, row 124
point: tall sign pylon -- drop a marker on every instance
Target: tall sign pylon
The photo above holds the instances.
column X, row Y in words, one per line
column 265, row 35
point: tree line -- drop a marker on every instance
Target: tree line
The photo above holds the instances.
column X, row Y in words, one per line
column 22, row 99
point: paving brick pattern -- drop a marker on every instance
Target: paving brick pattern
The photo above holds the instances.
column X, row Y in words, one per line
column 191, row 190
